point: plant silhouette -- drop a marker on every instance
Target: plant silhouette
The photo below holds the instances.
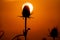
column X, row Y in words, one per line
column 54, row 33
column 25, row 14
column 17, row 37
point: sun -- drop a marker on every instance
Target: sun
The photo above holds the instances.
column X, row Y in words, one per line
column 29, row 5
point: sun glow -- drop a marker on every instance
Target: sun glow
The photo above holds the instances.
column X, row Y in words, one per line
column 29, row 5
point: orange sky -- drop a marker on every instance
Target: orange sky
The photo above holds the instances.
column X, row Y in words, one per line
column 45, row 16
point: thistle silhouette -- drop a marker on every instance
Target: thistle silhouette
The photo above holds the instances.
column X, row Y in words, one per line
column 25, row 15
column 26, row 12
column 54, row 33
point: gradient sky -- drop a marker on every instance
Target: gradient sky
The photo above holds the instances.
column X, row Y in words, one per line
column 45, row 15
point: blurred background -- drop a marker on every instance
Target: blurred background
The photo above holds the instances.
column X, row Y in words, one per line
column 46, row 15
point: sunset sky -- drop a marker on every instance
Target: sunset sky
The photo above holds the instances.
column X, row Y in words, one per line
column 45, row 15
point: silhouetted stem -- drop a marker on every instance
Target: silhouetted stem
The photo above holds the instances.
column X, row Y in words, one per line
column 25, row 26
